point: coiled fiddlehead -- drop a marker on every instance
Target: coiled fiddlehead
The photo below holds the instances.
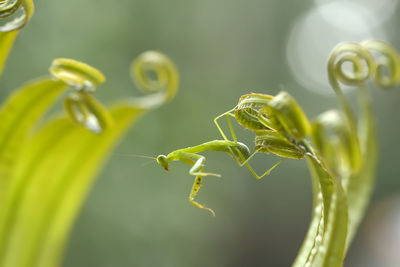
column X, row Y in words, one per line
column 81, row 107
column 85, row 109
column 9, row 8
column 155, row 73
column 78, row 75
column 285, row 116
column 380, row 62
column 267, row 141
column 261, row 112
column 387, row 71
column 362, row 67
column 11, row 22
column 333, row 141
column 248, row 108
column 370, row 59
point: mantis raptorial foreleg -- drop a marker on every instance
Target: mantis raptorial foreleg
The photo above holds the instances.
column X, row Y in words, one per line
column 189, row 156
column 196, row 170
column 193, row 193
column 198, row 165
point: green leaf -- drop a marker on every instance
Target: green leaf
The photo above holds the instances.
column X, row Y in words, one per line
column 359, row 186
column 316, row 228
column 6, row 42
column 331, row 247
column 18, row 115
column 324, row 244
column 48, row 198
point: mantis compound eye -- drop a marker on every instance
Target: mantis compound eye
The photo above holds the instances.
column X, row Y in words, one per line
column 162, row 160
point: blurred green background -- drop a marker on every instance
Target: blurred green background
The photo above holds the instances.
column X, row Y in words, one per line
column 137, row 214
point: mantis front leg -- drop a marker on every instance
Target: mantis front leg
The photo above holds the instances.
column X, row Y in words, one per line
column 198, row 166
column 193, row 193
column 196, row 170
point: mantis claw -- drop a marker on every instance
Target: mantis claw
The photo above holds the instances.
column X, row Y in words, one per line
column 193, row 193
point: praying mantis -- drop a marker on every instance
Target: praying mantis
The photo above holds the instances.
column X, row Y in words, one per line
column 239, row 151
column 252, row 112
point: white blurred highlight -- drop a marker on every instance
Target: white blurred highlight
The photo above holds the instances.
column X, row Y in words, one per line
column 382, row 9
column 316, row 33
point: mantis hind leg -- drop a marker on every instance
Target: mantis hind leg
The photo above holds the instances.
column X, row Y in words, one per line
column 227, row 114
column 193, row 193
column 258, row 177
column 245, row 163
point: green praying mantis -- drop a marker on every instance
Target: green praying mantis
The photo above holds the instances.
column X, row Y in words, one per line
column 253, row 112
column 239, row 151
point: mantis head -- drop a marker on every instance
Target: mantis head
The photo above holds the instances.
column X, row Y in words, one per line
column 162, row 160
